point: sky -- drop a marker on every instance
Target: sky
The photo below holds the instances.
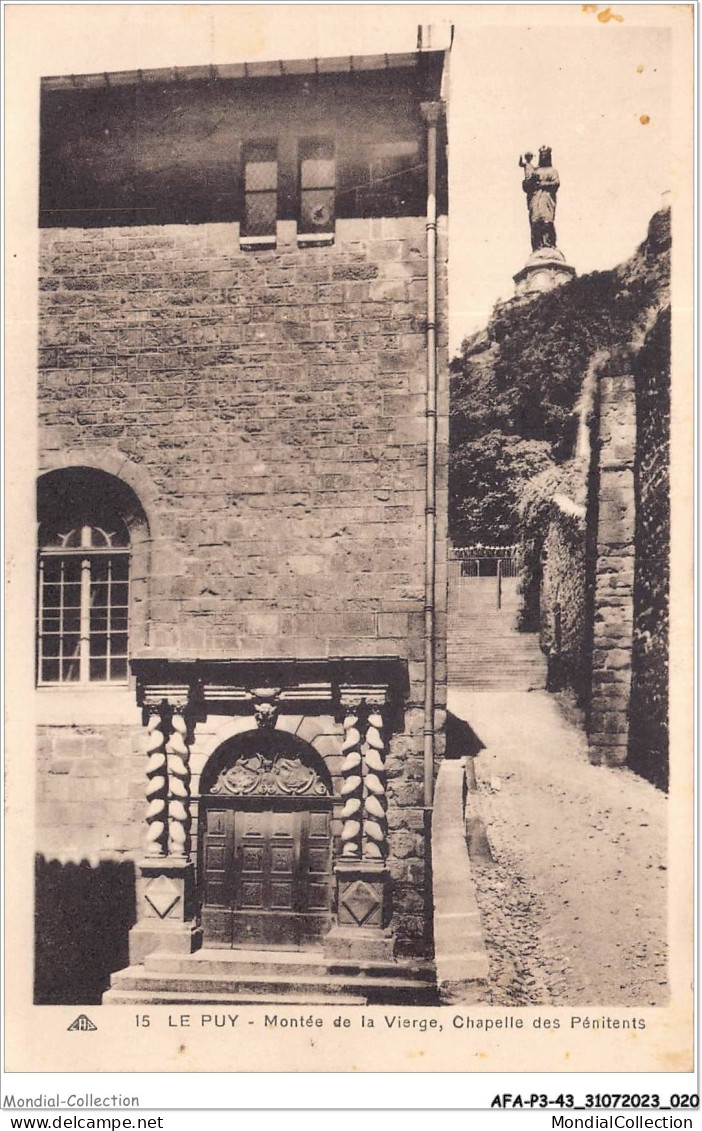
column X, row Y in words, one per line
column 598, row 91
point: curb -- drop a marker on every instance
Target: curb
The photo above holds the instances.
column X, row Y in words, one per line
column 460, row 954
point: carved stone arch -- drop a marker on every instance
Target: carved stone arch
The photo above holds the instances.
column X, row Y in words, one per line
column 68, row 485
column 227, row 729
column 265, row 843
column 117, row 465
column 268, row 763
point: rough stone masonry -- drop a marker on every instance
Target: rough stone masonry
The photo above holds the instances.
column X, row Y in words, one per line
column 267, row 409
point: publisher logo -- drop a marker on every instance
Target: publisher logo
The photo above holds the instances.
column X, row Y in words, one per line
column 82, row 1024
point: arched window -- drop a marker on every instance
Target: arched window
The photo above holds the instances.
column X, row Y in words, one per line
column 83, row 591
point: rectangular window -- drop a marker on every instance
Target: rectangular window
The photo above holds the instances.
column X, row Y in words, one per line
column 83, row 618
column 258, row 226
column 317, row 190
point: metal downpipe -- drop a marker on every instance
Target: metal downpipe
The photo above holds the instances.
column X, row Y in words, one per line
column 431, row 112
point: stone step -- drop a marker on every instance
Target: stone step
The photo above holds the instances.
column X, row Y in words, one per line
column 520, row 660
column 497, row 669
column 284, row 964
column 501, row 639
column 192, row 987
column 466, row 615
column 482, row 664
column 187, row 997
column 505, row 682
column 508, row 679
column 485, row 664
column 469, row 659
column 485, row 675
column 485, row 652
column 491, row 640
column 482, row 632
column 501, row 668
column 138, row 978
column 458, row 683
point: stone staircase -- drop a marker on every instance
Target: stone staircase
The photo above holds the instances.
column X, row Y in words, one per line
column 485, row 650
column 261, row 977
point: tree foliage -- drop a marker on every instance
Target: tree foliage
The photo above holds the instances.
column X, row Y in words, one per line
column 492, row 470
column 515, row 387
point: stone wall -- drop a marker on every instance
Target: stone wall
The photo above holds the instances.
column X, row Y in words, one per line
column 562, row 603
column 605, row 571
column 268, row 409
column 90, row 791
column 276, row 402
column 648, row 736
column 90, row 809
column 613, row 599
column 609, row 581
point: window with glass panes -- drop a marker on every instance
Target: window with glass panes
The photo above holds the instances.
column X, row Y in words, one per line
column 83, row 605
column 317, row 186
column 260, row 190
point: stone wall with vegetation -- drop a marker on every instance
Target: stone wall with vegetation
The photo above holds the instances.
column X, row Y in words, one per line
column 648, row 736
column 525, row 392
column 562, row 596
column 515, row 386
column 612, row 520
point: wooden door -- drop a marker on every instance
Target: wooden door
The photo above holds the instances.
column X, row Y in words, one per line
column 266, row 874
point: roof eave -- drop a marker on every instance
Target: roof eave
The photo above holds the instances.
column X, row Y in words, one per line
column 272, row 69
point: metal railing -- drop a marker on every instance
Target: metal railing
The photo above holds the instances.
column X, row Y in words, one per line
column 481, row 561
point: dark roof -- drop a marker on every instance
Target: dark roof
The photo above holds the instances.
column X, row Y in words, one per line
column 344, row 64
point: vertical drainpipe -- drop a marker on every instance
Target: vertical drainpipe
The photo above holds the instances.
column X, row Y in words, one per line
column 431, row 112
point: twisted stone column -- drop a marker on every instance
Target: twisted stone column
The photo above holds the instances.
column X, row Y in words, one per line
column 362, row 877
column 178, row 787
column 352, row 788
column 166, row 890
column 156, row 820
column 375, row 828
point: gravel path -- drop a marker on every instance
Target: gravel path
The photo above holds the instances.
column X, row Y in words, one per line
column 574, row 905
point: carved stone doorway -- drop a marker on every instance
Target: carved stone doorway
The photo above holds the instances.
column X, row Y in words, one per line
column 265, row 844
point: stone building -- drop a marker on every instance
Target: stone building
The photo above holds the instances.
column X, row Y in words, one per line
column 241, row 505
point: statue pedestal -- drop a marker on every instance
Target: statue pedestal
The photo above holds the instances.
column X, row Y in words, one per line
column 544, row 270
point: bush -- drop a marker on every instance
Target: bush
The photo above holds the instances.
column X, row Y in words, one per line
column 489, row 475
column 515, row 386
column 534, row 516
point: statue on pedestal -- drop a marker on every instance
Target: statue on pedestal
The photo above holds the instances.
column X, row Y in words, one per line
column 541, row 184
column 546, row 267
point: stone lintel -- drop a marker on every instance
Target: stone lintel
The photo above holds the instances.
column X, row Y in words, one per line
column 373, row 695
column 216, row 685
column 175, row 695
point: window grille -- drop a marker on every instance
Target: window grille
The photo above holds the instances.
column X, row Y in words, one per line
column 317, row 187
column 260, row 191
column 83, row 605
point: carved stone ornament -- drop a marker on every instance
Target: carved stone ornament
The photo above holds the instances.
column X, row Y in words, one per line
column 361, row 901
column 266, row 705
column 162, row 894
column 283, row 774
